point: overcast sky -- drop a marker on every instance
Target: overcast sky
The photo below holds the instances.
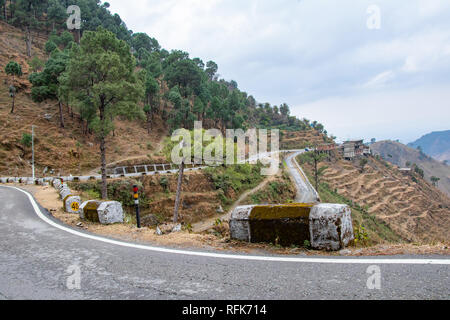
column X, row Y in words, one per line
column 320, row 56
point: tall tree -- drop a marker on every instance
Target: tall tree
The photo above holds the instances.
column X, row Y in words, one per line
column 56, row 14
column 186, row 75
column 3, row 9
column 151, row 93
column 46, row 83
column 15, row 70
column 211, row 69
column 315, row 157
column 101, row 77
column 27, row 15
column 143, row 41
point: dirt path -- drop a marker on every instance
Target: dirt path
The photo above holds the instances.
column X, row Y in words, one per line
column 207, row 224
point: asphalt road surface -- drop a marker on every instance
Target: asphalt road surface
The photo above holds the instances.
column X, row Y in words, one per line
column 39, row 259
column 305, row 192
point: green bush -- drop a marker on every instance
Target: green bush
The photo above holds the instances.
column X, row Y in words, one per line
column 26, row 140
column 50, row 46
column 164, row 183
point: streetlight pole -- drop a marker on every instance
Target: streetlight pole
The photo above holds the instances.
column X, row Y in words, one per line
column 32, row 148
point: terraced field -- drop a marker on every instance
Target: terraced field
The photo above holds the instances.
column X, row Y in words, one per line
column 416, row 211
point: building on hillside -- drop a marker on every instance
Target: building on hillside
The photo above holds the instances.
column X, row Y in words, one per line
column 354, row 149
column 405, row 171
column 326, row 148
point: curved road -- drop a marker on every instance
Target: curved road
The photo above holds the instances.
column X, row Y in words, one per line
column 305, row 191
column 38, row 255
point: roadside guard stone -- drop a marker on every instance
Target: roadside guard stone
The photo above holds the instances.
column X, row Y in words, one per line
column 88, row 210
column 110, row 212
column 330, row 226
column 239, row 223
column 64, row 193
column 72, row 204
column 278, row 224
column 56, row 183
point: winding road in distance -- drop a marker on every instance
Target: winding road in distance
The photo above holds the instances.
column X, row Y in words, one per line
column 38, row 255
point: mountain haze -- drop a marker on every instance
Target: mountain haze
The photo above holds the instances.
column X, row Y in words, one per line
column 435, row 144
column 401, row 155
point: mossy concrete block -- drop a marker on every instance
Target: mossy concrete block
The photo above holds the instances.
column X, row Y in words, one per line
column 72, row 204
column 110, row 212
column 88, row 210
column 331, row 226
column 279, row 224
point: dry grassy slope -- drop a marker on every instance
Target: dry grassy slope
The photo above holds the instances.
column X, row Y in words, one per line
column 199, row 200
column 300, row 139
column 399, row 154
column 416, row 211
column 67, row 150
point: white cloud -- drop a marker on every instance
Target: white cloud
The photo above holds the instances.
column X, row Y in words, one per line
column 301, row 52
column 380, row 79
column 399, row 114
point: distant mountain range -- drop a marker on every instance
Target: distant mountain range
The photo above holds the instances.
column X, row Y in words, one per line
column 435, row 144
column 402, row 156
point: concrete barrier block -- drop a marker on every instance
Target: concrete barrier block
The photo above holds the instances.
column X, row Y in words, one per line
column 110, row 212
column 279, row 224
column 56, row 183
column 331, row 226
column 64, row 193
column 88, row 210
column 239, row 223
column 72, row 204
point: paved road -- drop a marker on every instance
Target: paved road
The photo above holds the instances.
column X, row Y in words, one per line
column 305, row 192
column 35, row 257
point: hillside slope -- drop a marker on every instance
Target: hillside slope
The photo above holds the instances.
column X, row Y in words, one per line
column 408, row 205
column 402, row 155
column 435, row 144
column 68, row 150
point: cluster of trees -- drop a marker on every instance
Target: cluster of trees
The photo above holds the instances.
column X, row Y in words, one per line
column 13, row 69
column 45, row 16
column 114, row 72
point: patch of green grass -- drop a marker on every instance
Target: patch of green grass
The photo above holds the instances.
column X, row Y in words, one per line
column 237, row 178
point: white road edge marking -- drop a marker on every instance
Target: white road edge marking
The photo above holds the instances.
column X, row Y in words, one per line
column 230, row 256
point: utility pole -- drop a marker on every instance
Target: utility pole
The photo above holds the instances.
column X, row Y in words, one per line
column 32, row 148
column 179, row 185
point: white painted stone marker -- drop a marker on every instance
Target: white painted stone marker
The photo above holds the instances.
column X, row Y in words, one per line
column 110, row 212
column 330, row 226
column 239, row 223
column 73, row 204
column 64, row 193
